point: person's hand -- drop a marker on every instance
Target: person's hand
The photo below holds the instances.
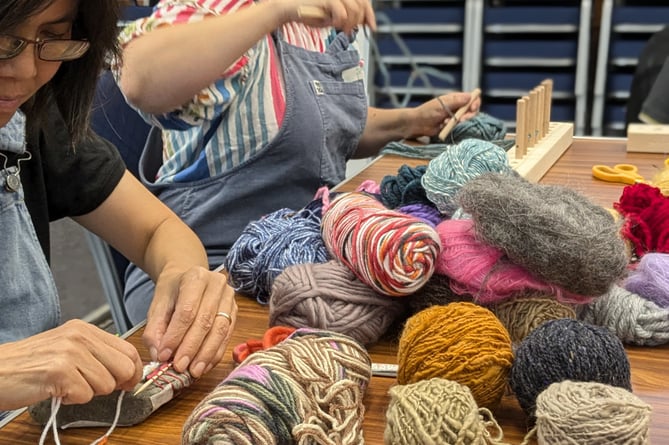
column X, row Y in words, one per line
column 182, row 323
column 429, row 118
column 344, row 15
column 75, row 362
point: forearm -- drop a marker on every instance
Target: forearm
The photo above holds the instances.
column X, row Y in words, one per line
column 383, row 126
column 172, row 247
column 166, row 67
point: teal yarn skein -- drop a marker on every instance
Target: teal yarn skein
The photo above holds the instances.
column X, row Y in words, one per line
column 450, row 171
column 567, row 349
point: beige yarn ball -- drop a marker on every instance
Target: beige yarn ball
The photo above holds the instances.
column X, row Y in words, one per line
column 590, row 413
column 437, row 412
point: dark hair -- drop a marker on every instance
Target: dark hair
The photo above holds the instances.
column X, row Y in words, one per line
column 73, row 86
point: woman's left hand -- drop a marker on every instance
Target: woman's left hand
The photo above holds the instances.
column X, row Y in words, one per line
column 429, row 118
column 188, row 319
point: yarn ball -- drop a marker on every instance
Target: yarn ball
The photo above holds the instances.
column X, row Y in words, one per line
column 452, row 169
column 424, row 212
column 482, row 126
column 391, row 252
column 308, row 387
column 522, row 314
column 650, row 278
column 268, row 245
column 404, row 188
column 329, row 296
column 437, row 412
column 436, row 292
column 460, row 341
column 630, row 317
column 567, row 349
column 483, row 271
column 646, row 211
column 552, row 231
column 591, row 413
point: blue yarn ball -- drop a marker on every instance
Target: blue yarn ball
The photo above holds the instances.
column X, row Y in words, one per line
column 404, row 188
column 567, row 349
column 269, row 245
column 448, row 172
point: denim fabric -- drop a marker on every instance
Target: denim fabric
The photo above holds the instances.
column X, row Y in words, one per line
column 325, row 117
column 28, row 295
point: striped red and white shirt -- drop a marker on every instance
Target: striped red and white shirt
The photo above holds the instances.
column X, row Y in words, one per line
column 249, row 95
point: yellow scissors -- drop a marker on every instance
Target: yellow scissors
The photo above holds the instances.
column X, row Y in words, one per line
column 624, row 173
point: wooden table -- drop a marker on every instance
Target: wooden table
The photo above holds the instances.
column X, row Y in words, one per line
column 649, row 365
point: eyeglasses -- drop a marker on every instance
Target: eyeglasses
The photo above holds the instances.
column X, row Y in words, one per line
column 50, row 50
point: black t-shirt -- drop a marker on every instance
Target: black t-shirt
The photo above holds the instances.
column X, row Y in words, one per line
column 60, row 181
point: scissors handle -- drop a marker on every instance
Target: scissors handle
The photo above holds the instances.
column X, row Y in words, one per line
column 623, row 173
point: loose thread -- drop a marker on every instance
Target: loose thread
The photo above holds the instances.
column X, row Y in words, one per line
column 53, row 423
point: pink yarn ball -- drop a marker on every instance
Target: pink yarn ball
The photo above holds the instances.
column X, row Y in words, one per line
column 483, row 271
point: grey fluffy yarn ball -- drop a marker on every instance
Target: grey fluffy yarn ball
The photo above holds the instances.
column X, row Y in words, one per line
column 554, row 232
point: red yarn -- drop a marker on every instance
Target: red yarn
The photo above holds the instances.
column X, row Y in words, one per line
column 272, row 336
column 646, row 212
column 483, row 271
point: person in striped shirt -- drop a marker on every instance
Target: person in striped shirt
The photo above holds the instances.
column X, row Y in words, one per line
column 255, row 105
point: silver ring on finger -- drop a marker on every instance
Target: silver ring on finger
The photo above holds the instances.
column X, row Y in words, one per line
column 224, row 315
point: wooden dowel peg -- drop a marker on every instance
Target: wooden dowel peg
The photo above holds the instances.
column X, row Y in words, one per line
column 521, row 131
column 541, row 96
column 458, row 114
column 532, row 111
column 548, row 103
column 311, row 12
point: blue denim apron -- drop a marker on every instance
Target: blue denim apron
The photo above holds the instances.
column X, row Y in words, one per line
column 323, row 122
column 29, row 299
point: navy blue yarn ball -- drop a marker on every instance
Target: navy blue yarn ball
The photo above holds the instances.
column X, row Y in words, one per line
column 567, row 349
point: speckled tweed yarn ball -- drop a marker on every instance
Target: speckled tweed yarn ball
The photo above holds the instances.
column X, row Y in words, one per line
column 552, row 231
column 437, row 412
column 461, row 163
column 567, row 349
column 460, row 341
column 523, row 314
column 591, row 413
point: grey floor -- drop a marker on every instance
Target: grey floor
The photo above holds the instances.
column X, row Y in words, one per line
column 81, row 294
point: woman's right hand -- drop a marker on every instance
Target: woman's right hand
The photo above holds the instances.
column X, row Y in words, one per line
column 344, row 15
column 75, row 362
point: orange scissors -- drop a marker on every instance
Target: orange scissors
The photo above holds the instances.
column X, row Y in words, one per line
column 624, row 173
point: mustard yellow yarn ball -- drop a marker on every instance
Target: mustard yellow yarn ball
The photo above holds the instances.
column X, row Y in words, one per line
column 461, row 341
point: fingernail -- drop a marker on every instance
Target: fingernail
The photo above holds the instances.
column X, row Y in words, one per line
column 209, row 366
column 198, row 369
column 182, row 364
column 153, row 352
column 165, row 355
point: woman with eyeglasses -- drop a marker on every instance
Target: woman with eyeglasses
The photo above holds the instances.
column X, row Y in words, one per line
column 52, row 166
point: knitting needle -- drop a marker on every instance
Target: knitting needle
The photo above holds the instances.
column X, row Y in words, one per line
column 152, row 378
column 458, row 114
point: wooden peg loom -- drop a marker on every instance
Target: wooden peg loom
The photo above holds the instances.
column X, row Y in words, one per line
column 539, row 142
